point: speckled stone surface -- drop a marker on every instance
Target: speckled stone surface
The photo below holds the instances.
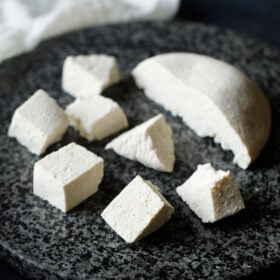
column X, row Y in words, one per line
column 42, row 242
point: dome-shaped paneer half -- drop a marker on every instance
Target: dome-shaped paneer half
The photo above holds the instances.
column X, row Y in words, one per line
column 214, row 98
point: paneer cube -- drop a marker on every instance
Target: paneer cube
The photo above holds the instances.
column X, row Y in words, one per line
column 38, row 123
column 138, row 210
column 68, row 176
column 96, row 117
column 88, row 75
column 211, row 195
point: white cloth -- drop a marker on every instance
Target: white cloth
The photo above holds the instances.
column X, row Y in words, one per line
column 25, row 23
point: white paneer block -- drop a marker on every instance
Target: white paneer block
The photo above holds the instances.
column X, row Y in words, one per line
column 68, row 176
column 96, row 117
column 87, row 75
column 38, row 123
column 211, row 194
column 149, row 143
column 138, row 210
column 213, row 98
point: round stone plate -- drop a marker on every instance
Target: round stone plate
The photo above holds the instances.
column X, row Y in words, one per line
column 42, row 242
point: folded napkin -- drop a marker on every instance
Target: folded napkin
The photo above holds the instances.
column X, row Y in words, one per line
column 25, row 23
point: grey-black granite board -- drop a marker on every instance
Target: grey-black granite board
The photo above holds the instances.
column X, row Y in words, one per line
column 42, row 242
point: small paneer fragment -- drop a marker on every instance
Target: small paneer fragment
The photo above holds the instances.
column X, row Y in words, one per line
column 96, row 117
column 138, row 210
column 68, row 176
column 149, row 143
column 87, row 75
column 211, row 195
column 38, row 123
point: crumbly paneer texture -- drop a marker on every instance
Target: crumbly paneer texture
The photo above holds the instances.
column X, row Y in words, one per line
column 96, row 117
column 87, row 75
column 137, row 211
column 211, row 194
column 149, row 143
column 38, row 123
column 68, row 176
column 213, row 98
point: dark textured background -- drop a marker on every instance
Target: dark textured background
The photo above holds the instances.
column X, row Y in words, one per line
column 260, row 18
column 255, row 17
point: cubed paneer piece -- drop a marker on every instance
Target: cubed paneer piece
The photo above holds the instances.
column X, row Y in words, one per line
column 138, row 210
column 38, row 123
column 68, row 176
column 211, row 195
column 87, row 75
column 96, row 117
